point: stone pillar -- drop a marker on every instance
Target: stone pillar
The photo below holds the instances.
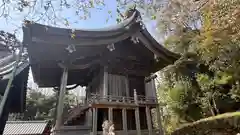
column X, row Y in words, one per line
column 149, row 120
column 105, row 83
column 94, row 125
column 124, row 118
column 110, row 114
column 61, row 98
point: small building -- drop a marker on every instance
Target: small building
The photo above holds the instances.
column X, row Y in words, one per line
column 27, row 128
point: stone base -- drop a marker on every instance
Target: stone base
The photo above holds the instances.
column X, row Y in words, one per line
column 72, row 130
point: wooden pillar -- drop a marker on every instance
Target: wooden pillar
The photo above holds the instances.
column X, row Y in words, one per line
column 94, row 125
column 90, row 118
column 5, row 111
column 124, row 118
column 137, row 117
column 146, row 88
column 105, row 83
column 149, row 121
column 110, row 114
column 154, row 89
column 127, row 87
column 159, row 120
column 135, row 96
column 61, row 98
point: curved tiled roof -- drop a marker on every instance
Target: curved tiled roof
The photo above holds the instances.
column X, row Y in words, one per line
column 130, row 27
column 48, row 46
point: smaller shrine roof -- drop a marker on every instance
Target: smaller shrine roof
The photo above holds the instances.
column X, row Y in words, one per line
column 25, row 127
column 19, row 85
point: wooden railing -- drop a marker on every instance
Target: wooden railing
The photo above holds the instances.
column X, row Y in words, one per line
column 99, row 99
column 132, row 132
column 96, row 98
column 144, row 99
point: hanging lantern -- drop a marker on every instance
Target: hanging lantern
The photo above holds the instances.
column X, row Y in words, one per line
column 71, row 48
column 111, row 47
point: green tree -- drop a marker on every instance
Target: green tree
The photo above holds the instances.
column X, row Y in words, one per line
column 42, row 107
column 207, row 76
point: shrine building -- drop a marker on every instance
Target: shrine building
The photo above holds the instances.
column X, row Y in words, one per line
column 117, row 66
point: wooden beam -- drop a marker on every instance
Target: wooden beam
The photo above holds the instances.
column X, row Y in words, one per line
column 105, row 82
column 5, row 112
column 149, row 121
column 159, row 120
column 121, row 105
column 110, row 114
column 154, row 89
column 149, row 78
column 94, row 126
column 80, row 66
column 90, row 117
column 124, row 118
column 127, row 86
column 61, row 98
column 124, row 71
column 137, row 119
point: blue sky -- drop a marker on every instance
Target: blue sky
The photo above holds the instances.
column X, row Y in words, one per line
column 98, row 19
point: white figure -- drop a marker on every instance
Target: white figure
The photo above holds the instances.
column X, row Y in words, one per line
column 105, row 127
column 111, row 130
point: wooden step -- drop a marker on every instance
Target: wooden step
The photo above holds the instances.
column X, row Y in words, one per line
column 73, row 113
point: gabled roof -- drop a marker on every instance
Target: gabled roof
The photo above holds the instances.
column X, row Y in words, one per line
column 48, row 46
column 25, row 127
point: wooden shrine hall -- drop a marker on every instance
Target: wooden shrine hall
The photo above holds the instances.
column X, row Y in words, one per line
column 117, row 66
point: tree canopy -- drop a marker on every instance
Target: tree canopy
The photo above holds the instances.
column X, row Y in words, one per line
column 205, row 81
column 40, row 106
